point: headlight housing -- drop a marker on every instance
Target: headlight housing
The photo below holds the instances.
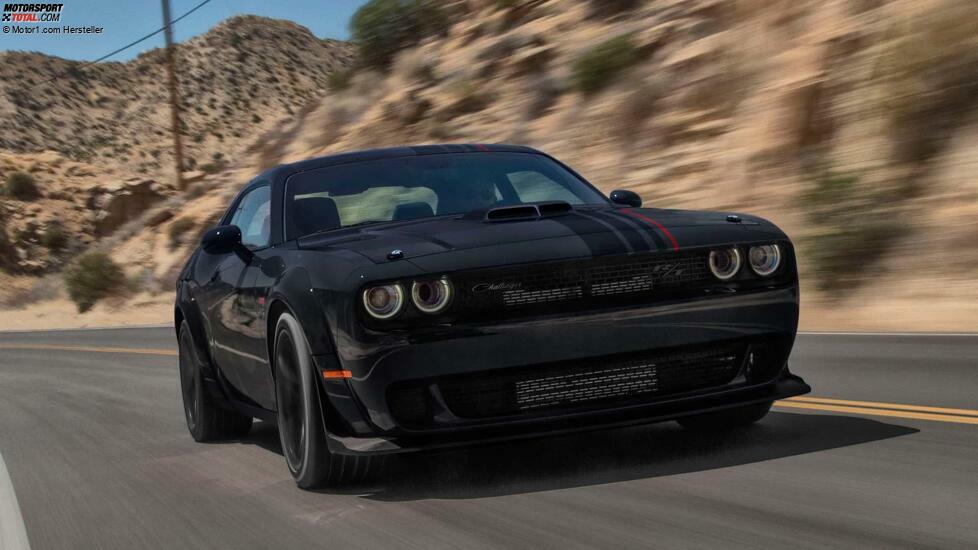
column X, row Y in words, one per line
column 431, row 296
column 383, row 301
column 725, row 263
column 765, row 259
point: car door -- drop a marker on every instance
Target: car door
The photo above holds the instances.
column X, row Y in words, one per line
column 235, row 306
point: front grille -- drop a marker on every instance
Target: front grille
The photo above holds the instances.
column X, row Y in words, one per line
column 598, row 279
column 578, row 384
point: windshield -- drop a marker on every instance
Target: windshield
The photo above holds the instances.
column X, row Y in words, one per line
column 414, row 187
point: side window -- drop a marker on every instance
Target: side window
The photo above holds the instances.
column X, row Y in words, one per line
column 253, row 216
column 534, row 186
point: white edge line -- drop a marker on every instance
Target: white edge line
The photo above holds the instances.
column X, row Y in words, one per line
column 83, row 329
column 13, row 534
column 829, row 333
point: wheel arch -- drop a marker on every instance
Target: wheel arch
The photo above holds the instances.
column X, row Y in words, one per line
column 185, row 309
column 332, row 419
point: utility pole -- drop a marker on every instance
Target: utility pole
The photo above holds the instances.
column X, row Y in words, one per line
column 174, row 96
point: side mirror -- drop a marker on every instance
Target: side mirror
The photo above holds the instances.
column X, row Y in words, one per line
column 625, row 197
column 225, row 239
column 221, row 240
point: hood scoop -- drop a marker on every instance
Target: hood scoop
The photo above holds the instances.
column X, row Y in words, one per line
column 521, row 212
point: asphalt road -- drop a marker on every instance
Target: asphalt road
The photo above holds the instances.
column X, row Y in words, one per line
column 95, row 444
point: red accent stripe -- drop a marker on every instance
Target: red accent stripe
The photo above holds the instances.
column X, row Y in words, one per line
column 634, row 214
column 482, row 147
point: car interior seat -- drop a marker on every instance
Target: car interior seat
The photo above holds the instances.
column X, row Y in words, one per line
column 413, row 211
column 314, row 214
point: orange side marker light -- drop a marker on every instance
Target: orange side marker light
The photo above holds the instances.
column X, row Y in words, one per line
column 336, row 374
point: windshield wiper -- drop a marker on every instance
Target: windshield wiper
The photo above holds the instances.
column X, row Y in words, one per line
column 366, row 222
column 328, row 229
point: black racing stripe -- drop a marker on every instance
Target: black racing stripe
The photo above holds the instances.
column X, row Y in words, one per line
column 611, row 227
column 639, row 237
column 598, row 239
column 645, row 229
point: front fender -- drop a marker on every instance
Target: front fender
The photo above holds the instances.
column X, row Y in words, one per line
column 295, row 291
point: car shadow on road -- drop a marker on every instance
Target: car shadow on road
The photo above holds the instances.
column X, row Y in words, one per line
column 618, row 455
column 602, row 457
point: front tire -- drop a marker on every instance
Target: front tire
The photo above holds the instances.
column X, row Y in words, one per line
column 726, row 419
column 206, row 419
column 301, row 423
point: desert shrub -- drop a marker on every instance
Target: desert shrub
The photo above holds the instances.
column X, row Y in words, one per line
column 177, row 230
column 91, row 277
column 605, row 8
column 54, row 237
column 929, row 77
column 381, row 28
column 599, row 66
column 213, row 167
column 339, row 80
column 75, row 72
column 21, row 185
column 467, row 97
column 854, row 229
column 218, row 164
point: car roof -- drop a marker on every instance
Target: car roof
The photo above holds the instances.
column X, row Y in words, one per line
column 285, row 170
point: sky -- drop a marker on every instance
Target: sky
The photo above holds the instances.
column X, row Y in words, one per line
column 124, row 21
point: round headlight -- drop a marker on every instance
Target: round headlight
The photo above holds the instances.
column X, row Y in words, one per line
column 383, row 302
column 431, row 296
column 725, row 263
column 765, row 259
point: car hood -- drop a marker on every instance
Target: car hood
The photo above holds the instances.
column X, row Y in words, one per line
column 443, row 242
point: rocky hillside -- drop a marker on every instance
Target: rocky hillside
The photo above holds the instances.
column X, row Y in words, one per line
column 96, row 140
column 242, row 75
column 849, row 123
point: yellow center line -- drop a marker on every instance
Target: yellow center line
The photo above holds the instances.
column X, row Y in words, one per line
column 94, row 349
column 878, row 412
column 894, row 406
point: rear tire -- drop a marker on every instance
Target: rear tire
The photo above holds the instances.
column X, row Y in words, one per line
column 301, row 423
column 206, row 419
column 726, row 419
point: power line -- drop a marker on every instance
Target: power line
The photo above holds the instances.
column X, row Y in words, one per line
column 126, row 47
column 131, row 44
column 133, row 114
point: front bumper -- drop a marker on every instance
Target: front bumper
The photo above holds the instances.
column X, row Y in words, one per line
column 784, row 386
column 379, row 362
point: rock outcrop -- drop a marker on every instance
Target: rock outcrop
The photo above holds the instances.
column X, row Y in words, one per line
column 115, row 204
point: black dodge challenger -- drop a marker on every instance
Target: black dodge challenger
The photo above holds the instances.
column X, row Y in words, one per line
column 419, row 298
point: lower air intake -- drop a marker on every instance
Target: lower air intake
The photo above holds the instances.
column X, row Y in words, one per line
column 591, row 383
